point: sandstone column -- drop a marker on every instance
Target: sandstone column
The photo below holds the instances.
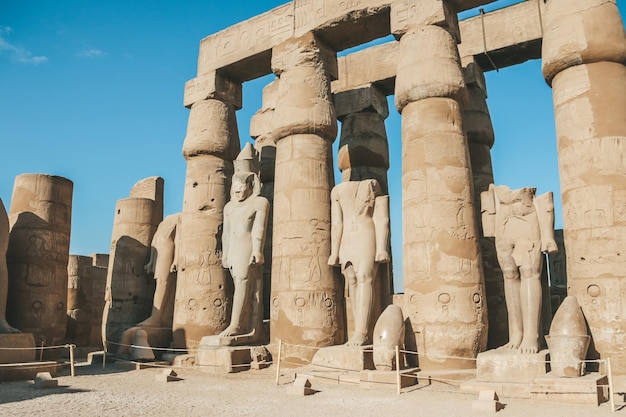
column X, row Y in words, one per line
column 39, row 246
column 480, row 138
column 364, row 154
column 78, row 288
column 307, row 298
column 261, row 131
column 203, row 287
column 443, row 278
column 584, row 50
column 129, row 290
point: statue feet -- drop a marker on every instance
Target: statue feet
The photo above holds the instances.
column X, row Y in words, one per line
column 230, row 331
column 357, row 339
column 5, row 328
column 529, row 347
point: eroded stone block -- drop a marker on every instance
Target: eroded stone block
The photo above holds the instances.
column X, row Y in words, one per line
column 212, row 85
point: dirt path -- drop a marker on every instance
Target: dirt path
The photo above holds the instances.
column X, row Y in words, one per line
column 111, row 392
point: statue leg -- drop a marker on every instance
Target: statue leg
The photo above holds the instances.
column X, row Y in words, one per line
column 241, row 305
column 510, row 271
column 4, row 289
column 362, row 299
column 530, row 298
column 162, row 276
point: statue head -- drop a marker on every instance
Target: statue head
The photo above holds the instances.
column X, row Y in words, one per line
column 242, row 186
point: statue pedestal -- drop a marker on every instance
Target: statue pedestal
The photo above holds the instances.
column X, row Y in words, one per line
column 590, row 389
column 19, row 349
column 215, row 358
column 507, row 365
column 343, row 358
column 388, row 379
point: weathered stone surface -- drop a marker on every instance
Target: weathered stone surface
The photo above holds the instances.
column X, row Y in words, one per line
column 212, row 86
column 129, row 291
column 5, row 327
column 38, row 251
column 410, row 14
column 591, row 389
column 388, row 333
column 586, row 73
column 17, row 347
column 581, row 32
column 337, row 358
column 506, row 365
column 306, row 301
column 246, row 39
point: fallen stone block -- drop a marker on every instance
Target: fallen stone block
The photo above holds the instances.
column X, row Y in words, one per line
column 167, row 375
column 487, row 402
column 301, row 386
column 45, row 380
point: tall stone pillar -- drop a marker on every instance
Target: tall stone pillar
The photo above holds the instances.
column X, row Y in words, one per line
column 261, row 127
column 39, row 248
column 129, row 290
column 443, row 278
column 78, row 289
column 480, row 138
column 307, row 297
column 203, row 288
column 584, row 50
column 364, row 154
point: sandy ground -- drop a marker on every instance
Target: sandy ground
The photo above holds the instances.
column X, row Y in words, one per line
column 112, row 392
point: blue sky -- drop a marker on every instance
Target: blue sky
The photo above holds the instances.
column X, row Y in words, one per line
column 93, row 91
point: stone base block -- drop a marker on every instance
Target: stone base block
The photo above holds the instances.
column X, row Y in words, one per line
column 25, row 371
column 167, row 375
column 506, row 365
column 445, row 376
column 590, row 389
column 223, row 359
column 180, row 360
column 17, row 347
column 159, row 338
column 239, row 340
column 388, row 379
column 45, row 380
column 137, row 366
column 344, row 358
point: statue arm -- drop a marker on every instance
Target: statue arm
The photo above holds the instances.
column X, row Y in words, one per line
column 225, row 235
column 258, row 230
column 544, row 204
column 381, row 228
column 336, row 227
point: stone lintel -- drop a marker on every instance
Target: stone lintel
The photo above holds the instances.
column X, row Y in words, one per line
column 364, row 98
column 408, row 14
column 212, row 86
column 246, row 39
column 513, row 36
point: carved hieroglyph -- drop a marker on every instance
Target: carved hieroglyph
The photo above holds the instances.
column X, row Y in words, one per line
column 480, row 139
column 307, row 299
column 443, row 279
column 359, row 243
column 584, row 50
column 523, row 227
column 4, row 273
column 203, row 287
column 129, row 291
column 39, row 244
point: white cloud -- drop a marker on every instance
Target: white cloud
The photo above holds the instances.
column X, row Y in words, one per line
column 91, row 53
column 17, row 52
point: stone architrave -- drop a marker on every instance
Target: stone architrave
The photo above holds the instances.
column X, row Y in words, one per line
column 444, row 285
column 480, row 139
column 4, row 273
column 203, row 287
column 40, row 219
column 364, row 154
column 129, row 291
column 261, row 132
column 584, row 51
column 307, row 299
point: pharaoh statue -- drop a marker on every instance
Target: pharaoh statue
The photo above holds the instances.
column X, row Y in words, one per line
column 243, row 238
column 359, row 242
column 4, row 273
column 523, row 226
